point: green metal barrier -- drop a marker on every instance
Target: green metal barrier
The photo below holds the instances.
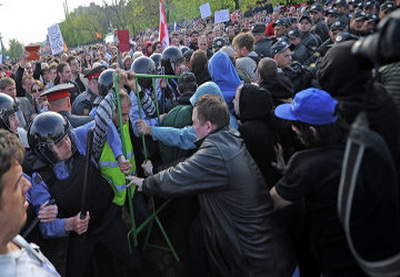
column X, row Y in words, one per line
column 135, row 230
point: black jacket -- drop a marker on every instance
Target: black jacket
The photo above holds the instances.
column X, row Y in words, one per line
column 236, row 209
column 263, row 47
column 321, row 29
column 83, row 103
column 349, row 81
column 255, row 108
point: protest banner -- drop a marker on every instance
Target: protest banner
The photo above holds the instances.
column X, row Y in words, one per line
column 205, row 10
column 221, row 16
column 55, row 39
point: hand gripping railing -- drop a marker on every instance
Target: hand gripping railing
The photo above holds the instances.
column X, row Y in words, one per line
column 135, row 230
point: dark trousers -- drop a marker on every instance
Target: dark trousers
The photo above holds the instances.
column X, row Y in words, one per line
column 111, row 233
column 197, row 248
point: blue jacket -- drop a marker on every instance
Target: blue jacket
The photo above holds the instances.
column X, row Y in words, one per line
column 224, row 74
column 184, row 138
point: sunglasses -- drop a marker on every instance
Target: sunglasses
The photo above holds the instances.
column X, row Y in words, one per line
column 37, row 90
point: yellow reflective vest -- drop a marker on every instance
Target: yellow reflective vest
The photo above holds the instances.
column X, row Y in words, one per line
column 109, row 168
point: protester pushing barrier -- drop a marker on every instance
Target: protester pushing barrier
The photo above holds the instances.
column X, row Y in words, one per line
column 293, row 79
column 135, row 230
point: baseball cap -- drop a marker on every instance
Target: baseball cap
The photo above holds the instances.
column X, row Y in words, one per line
column 282, row 22
column 294, row 33
column 372, row 17
column 332, row 12
column 259, row 28
column 317, row 7
column 342, row 3
column 281, row 46
column 387, row 7
column 305, row 16
column 369, row 4
column 355, row 2
column 359, row 16
column 338, row 25
column 312, row 106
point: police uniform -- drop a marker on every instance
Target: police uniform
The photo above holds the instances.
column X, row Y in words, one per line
column 300, row 52
column 63, row 91
column 63, row 182
column 83, row 103
column 263, row 46
column 324, row 47
column 321, row 29
column 344, row 18
column 308, row 39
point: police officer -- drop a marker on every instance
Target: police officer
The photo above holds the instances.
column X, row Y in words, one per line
column 59, row 101
column 282, row 53
column 58, row 174
column 148, row 110
column 173, row 62
column 343, row 9
column 8, row 119
column 262, row 44
column 308, row 39
column 9, row 110
column 281, row 28
column 320, row 28
column 356, row 22
column 331, row 16
column 83, row 103
column 336, row 28
column 300, row 52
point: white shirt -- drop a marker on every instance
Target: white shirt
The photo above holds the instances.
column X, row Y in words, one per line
column 28, row 261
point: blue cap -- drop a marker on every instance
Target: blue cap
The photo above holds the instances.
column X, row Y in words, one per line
column 312, row 106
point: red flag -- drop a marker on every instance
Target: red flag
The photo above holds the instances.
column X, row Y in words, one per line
column 163, row 38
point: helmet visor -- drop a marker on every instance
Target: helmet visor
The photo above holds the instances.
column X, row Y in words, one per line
column 60, row 150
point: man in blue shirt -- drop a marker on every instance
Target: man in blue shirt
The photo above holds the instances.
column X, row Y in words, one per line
column 58, row 175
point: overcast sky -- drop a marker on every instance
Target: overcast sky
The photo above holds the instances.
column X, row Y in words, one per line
column 28, row 20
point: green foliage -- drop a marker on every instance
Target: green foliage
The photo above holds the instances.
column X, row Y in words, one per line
column 15, row 48
column 144, row 14
column 184, row 9
column 81, row 25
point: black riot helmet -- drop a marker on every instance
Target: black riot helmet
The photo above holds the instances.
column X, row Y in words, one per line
column 105, row 82
column 156, row 57
column 8, row 107
column 170, row 58
column 144, row 65
column 184, row 49
column 46, row 131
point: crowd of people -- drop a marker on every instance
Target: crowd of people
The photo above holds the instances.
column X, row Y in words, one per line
column 247, row 136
